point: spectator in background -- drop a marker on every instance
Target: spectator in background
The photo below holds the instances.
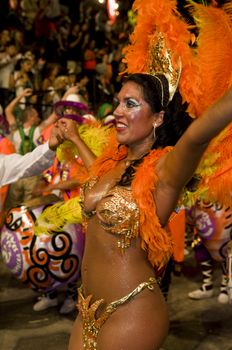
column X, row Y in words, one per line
column 82, row 90
column 42, row 22
column 59, row 88
column 25, row 136
column 8, row 60
column 52, row 71
column 104, row 71
column 89, row 67
column 63, row 30
column 4, row 39
column 18, row 37
column 115, row 63
column 22, row 77
column 29, row 11
column 53, row 10
column 74, row 46
column 72, row 77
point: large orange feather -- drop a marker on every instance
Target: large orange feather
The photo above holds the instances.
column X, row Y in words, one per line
column 162, row 16
column 214, row 54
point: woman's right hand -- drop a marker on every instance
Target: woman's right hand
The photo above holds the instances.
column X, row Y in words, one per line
column 69, row 129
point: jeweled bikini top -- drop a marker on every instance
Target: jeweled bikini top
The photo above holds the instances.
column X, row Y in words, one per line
column 117, row 213
column 154, row 238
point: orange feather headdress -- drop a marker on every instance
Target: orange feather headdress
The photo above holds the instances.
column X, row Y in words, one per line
column 161, row 43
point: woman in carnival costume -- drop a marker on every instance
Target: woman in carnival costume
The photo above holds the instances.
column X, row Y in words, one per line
column 133, row 188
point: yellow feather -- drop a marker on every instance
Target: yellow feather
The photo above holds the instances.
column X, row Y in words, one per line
column 56, row 216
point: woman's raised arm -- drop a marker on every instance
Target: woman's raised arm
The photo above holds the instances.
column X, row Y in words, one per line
column 71, row 133
column 179, row 165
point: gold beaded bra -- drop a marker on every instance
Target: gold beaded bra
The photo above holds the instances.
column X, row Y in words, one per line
column 131, row 212
column 117, row 213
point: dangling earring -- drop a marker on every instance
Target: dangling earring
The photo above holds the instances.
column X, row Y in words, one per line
column 154, row 126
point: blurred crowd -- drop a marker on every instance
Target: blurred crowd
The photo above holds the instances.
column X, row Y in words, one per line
column 49, row 46
column 51, row 51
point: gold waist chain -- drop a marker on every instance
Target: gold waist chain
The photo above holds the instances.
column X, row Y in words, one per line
column 91, row 324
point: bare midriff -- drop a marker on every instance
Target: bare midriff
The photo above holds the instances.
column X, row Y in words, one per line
column 107, row 271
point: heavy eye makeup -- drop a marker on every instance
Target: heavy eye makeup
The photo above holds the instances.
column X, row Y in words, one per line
column 129, row 103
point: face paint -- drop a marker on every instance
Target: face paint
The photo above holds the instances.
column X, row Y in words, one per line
column 131, row 103
column 133, row 115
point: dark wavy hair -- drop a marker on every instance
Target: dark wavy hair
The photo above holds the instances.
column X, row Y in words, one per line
column 176, row 120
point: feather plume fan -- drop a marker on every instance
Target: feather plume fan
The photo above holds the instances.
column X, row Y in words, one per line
column 214, row 53
column 213, row 58
column 155, row 16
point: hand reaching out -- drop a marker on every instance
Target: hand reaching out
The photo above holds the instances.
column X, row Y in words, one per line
column 69, row 129
column 64, row 129
column 56, row 137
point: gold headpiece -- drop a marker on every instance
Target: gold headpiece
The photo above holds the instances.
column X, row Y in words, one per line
column 157, row 41
column 162, row 61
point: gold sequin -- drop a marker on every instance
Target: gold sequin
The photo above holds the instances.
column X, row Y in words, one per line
column 119, row 215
